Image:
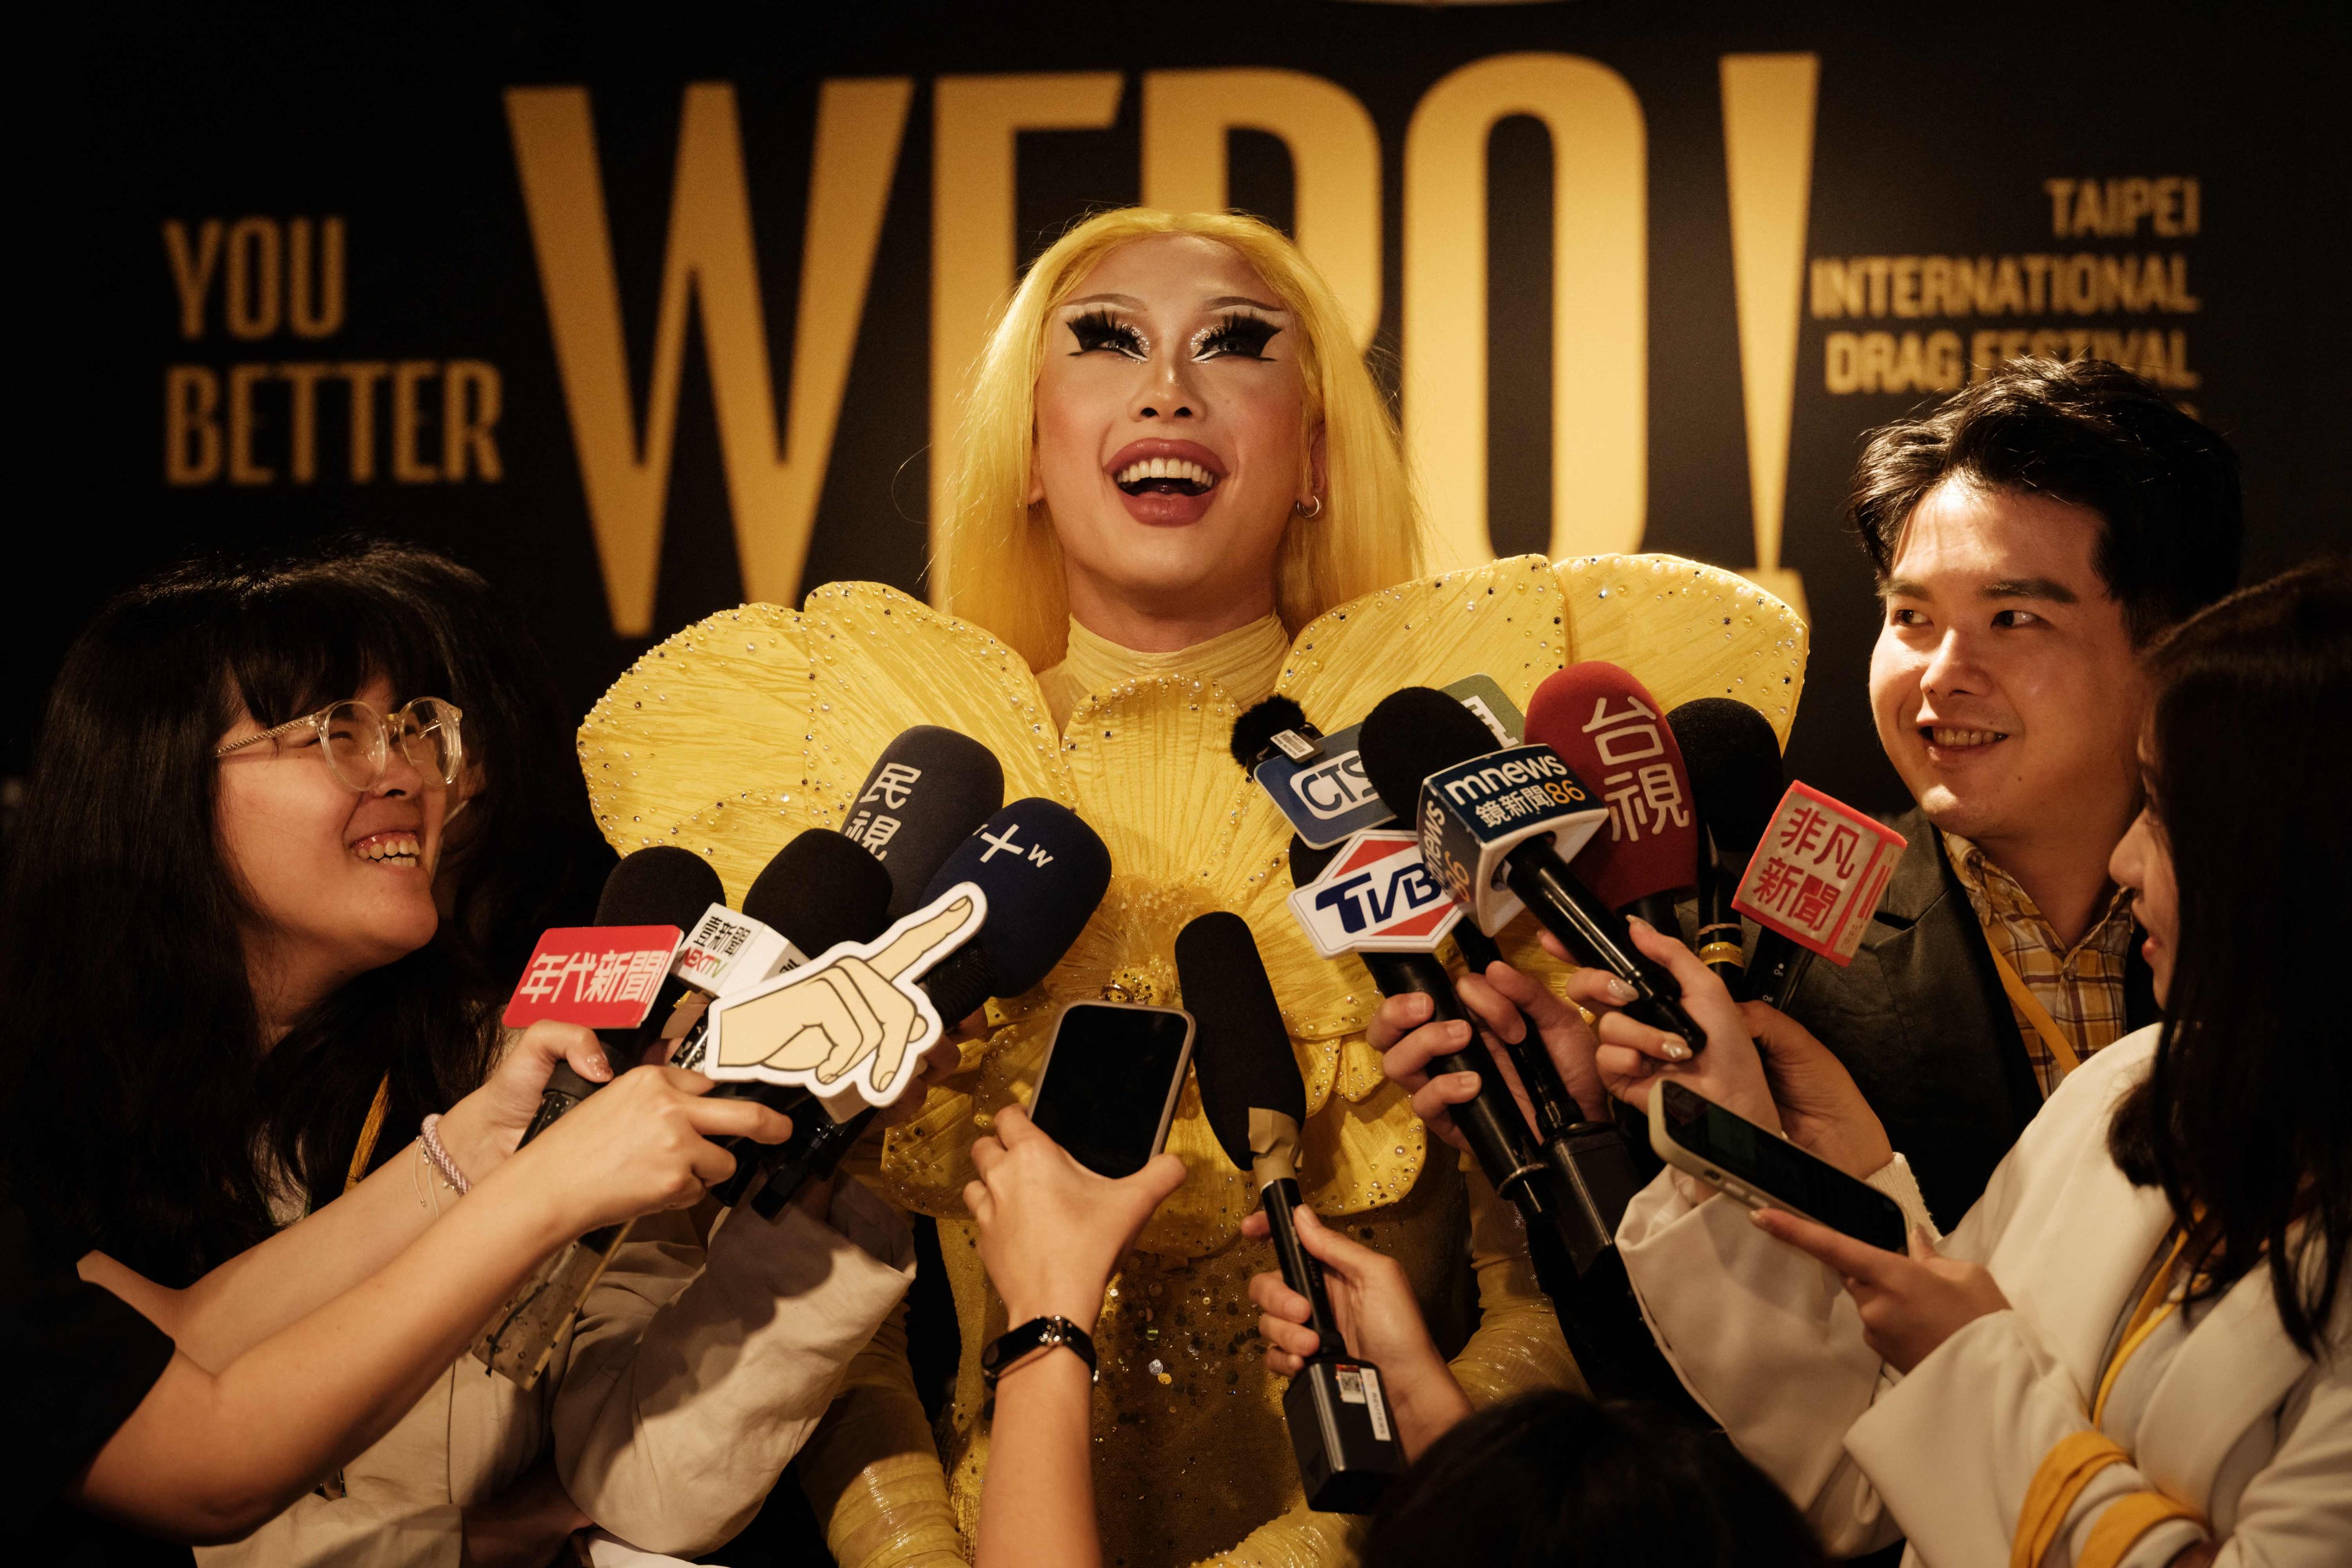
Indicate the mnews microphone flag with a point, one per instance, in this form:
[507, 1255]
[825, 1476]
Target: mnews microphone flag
[1255, 1103]
[1496, 827]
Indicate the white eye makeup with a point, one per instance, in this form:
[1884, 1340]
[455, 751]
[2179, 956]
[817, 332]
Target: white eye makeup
[1235, 334]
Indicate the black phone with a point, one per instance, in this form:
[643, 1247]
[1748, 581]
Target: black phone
[1108, 1089]
[1734, 1156]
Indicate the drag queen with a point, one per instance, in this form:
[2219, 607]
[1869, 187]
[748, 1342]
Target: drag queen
[1180, 492]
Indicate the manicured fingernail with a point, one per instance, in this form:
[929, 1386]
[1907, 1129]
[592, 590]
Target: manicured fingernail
[1638, 920]
[1417, 1003]
[1677, 1052]
[1619, 990]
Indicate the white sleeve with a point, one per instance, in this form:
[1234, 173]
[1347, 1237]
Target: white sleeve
[686, 1397]
[1767, 1340]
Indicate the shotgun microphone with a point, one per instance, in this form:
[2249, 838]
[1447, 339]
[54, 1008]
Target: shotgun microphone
[1338, 1412]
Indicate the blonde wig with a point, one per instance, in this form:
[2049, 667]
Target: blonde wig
[998, 558]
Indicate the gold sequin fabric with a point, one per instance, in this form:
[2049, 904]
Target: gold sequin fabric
[754, 724]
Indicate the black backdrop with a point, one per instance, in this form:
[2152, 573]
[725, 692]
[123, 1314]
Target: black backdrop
[1937, 128]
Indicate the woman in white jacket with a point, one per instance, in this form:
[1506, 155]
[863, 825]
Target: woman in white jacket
[2133, 1349]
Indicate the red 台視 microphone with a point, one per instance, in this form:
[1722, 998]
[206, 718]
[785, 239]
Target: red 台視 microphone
[1607, 726]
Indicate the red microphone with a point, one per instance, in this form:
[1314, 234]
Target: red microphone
[1608, 727]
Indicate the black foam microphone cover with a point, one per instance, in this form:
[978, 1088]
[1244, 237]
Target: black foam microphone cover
[1254, 731]
[1241, 1050]
[1735, 770]
[1414, 731]
[660, 885]
[1043, 871]
[929, 789]
[821, 889]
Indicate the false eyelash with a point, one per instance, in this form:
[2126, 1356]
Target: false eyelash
[1243, 334]
[1098, 329]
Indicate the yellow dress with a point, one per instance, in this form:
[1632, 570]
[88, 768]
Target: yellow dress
[758, 723]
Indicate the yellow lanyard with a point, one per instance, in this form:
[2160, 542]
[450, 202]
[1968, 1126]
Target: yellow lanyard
[2151, 1312]
[370, 1131]
[2061, 1050]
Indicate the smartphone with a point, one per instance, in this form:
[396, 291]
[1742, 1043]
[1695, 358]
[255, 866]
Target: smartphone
[1109, 1088]
[1734, 1156]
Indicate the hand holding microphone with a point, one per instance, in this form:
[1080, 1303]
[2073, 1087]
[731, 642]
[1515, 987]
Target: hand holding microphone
[641, 1144]
[1505, 1004]
[1373, 1306]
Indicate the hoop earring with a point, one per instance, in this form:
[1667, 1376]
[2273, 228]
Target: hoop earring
[1309, 515]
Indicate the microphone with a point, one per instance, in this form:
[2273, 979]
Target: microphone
[1276, 724]
[1043, 872]
[1490, 1123]
[1606, 728]
[926, 792]
[1734, 771]
[1482, 828]
[1255, 1103]
[818, 890]
[661, 885]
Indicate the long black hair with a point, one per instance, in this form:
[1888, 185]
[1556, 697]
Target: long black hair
[2245, 1118]
[1554, 1480]
[141, 1115]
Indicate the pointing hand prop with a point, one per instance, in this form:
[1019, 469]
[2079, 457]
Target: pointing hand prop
[858, 1007]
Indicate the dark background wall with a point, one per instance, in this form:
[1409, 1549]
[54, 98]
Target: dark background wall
[1937, 129]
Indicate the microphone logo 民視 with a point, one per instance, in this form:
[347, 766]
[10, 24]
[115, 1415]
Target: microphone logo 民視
[874, 823]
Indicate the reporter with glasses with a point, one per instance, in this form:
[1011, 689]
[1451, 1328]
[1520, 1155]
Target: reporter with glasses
[231, 1010]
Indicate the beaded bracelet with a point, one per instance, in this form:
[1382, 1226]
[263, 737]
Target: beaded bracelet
[429, 1135]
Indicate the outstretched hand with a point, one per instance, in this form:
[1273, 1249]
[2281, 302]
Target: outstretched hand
[1909, 1305]
[1728, 1071]
[1051, 1230]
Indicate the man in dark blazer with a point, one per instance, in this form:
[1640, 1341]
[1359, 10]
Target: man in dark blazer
[2031, 535]
[1919, 1018]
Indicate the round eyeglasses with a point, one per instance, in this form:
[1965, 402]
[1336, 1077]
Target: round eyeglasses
[356, 741]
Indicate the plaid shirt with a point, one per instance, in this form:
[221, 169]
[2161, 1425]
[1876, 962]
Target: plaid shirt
[2082, 987]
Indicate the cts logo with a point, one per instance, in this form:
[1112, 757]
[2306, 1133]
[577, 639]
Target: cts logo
[1329, 798]
[1333, 788]
[1375, 897]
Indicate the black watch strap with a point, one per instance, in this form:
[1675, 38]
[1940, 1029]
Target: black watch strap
[1009, 1348]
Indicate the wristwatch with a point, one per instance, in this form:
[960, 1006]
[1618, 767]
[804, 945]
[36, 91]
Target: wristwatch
[1038, 1333]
